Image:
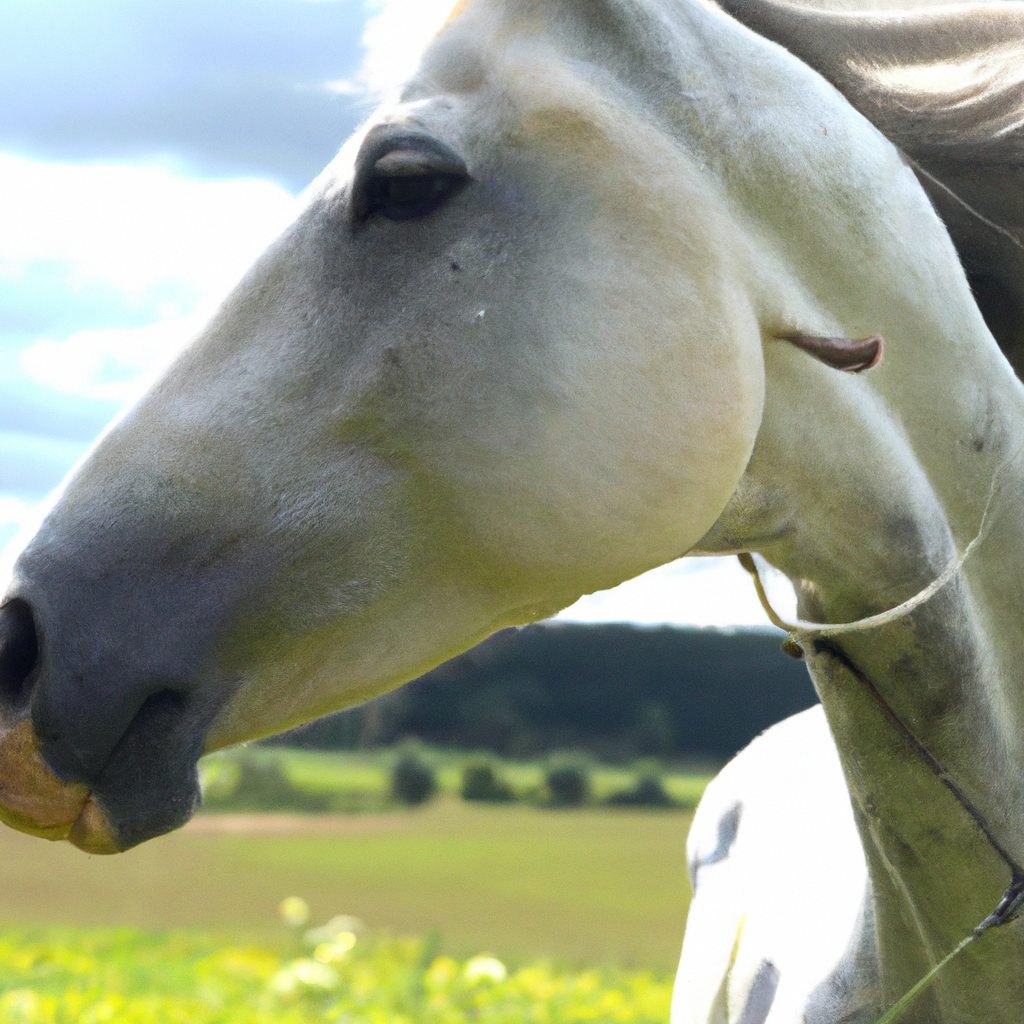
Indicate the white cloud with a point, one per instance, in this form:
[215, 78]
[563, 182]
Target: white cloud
[18, 521]
[136, 227]
[14, 511]
[140, 230]
[345, 87]
[689, 591]
[116, 364]
[394, 37]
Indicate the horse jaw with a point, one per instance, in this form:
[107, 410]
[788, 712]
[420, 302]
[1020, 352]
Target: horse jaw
[397, 437]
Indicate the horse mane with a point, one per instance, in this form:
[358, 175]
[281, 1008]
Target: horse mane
[946, 85]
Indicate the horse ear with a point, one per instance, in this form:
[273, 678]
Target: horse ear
[946, 85]
[839, 353]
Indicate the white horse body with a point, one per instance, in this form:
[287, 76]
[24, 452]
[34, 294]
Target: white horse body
[526, 341]
[780, 929]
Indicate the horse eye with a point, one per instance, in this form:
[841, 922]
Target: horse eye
[410, 178]
[407, 196]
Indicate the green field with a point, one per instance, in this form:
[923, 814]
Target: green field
[582, 887]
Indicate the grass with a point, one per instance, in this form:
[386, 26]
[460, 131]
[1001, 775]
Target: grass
[129, 977]
[549, 893]
[588, 886]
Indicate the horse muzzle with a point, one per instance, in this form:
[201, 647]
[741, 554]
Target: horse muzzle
[103, 757]
[34, 800]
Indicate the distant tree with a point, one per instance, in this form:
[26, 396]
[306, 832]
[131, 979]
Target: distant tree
[617, 691]
[263, 785]
[567, 786]
[648, 792]
[479, 782]
[412, 782]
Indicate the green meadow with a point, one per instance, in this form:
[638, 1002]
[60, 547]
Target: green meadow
[465, 910]
[591, 886]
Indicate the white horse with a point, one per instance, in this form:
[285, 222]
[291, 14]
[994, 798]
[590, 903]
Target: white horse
[577, 301]
[779, 928]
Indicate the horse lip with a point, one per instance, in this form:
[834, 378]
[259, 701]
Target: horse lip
[34, 800]
[91, 831]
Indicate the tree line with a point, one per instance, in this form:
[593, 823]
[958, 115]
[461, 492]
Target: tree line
[617, 691]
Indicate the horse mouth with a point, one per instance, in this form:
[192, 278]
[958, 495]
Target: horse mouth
[103, 757]
[34, 800]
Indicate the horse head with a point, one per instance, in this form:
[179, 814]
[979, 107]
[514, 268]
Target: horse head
[504, 357]
[558, 314]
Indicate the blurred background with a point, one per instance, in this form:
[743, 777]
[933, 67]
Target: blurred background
[149, 151]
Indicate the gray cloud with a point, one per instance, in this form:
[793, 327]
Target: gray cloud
[31, 466]
[227, 86]
[28, 408]
[224, 87]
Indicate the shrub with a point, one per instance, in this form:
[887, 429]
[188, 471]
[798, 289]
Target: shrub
[567, 786]
[648, 792]
[412, 782]
[479, 782]
[262, 784]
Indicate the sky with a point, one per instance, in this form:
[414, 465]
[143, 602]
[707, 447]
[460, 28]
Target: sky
[149, 151]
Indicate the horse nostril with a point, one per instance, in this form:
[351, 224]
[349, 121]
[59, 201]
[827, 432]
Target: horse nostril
[19, 651]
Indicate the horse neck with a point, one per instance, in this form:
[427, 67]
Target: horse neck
[863, 491]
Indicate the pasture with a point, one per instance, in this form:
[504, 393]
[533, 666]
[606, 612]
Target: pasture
[581, 887]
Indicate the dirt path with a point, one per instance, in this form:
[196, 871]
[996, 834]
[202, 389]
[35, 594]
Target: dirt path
[296, 824]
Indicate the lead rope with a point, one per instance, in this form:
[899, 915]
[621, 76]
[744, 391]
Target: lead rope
[1012, 901]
